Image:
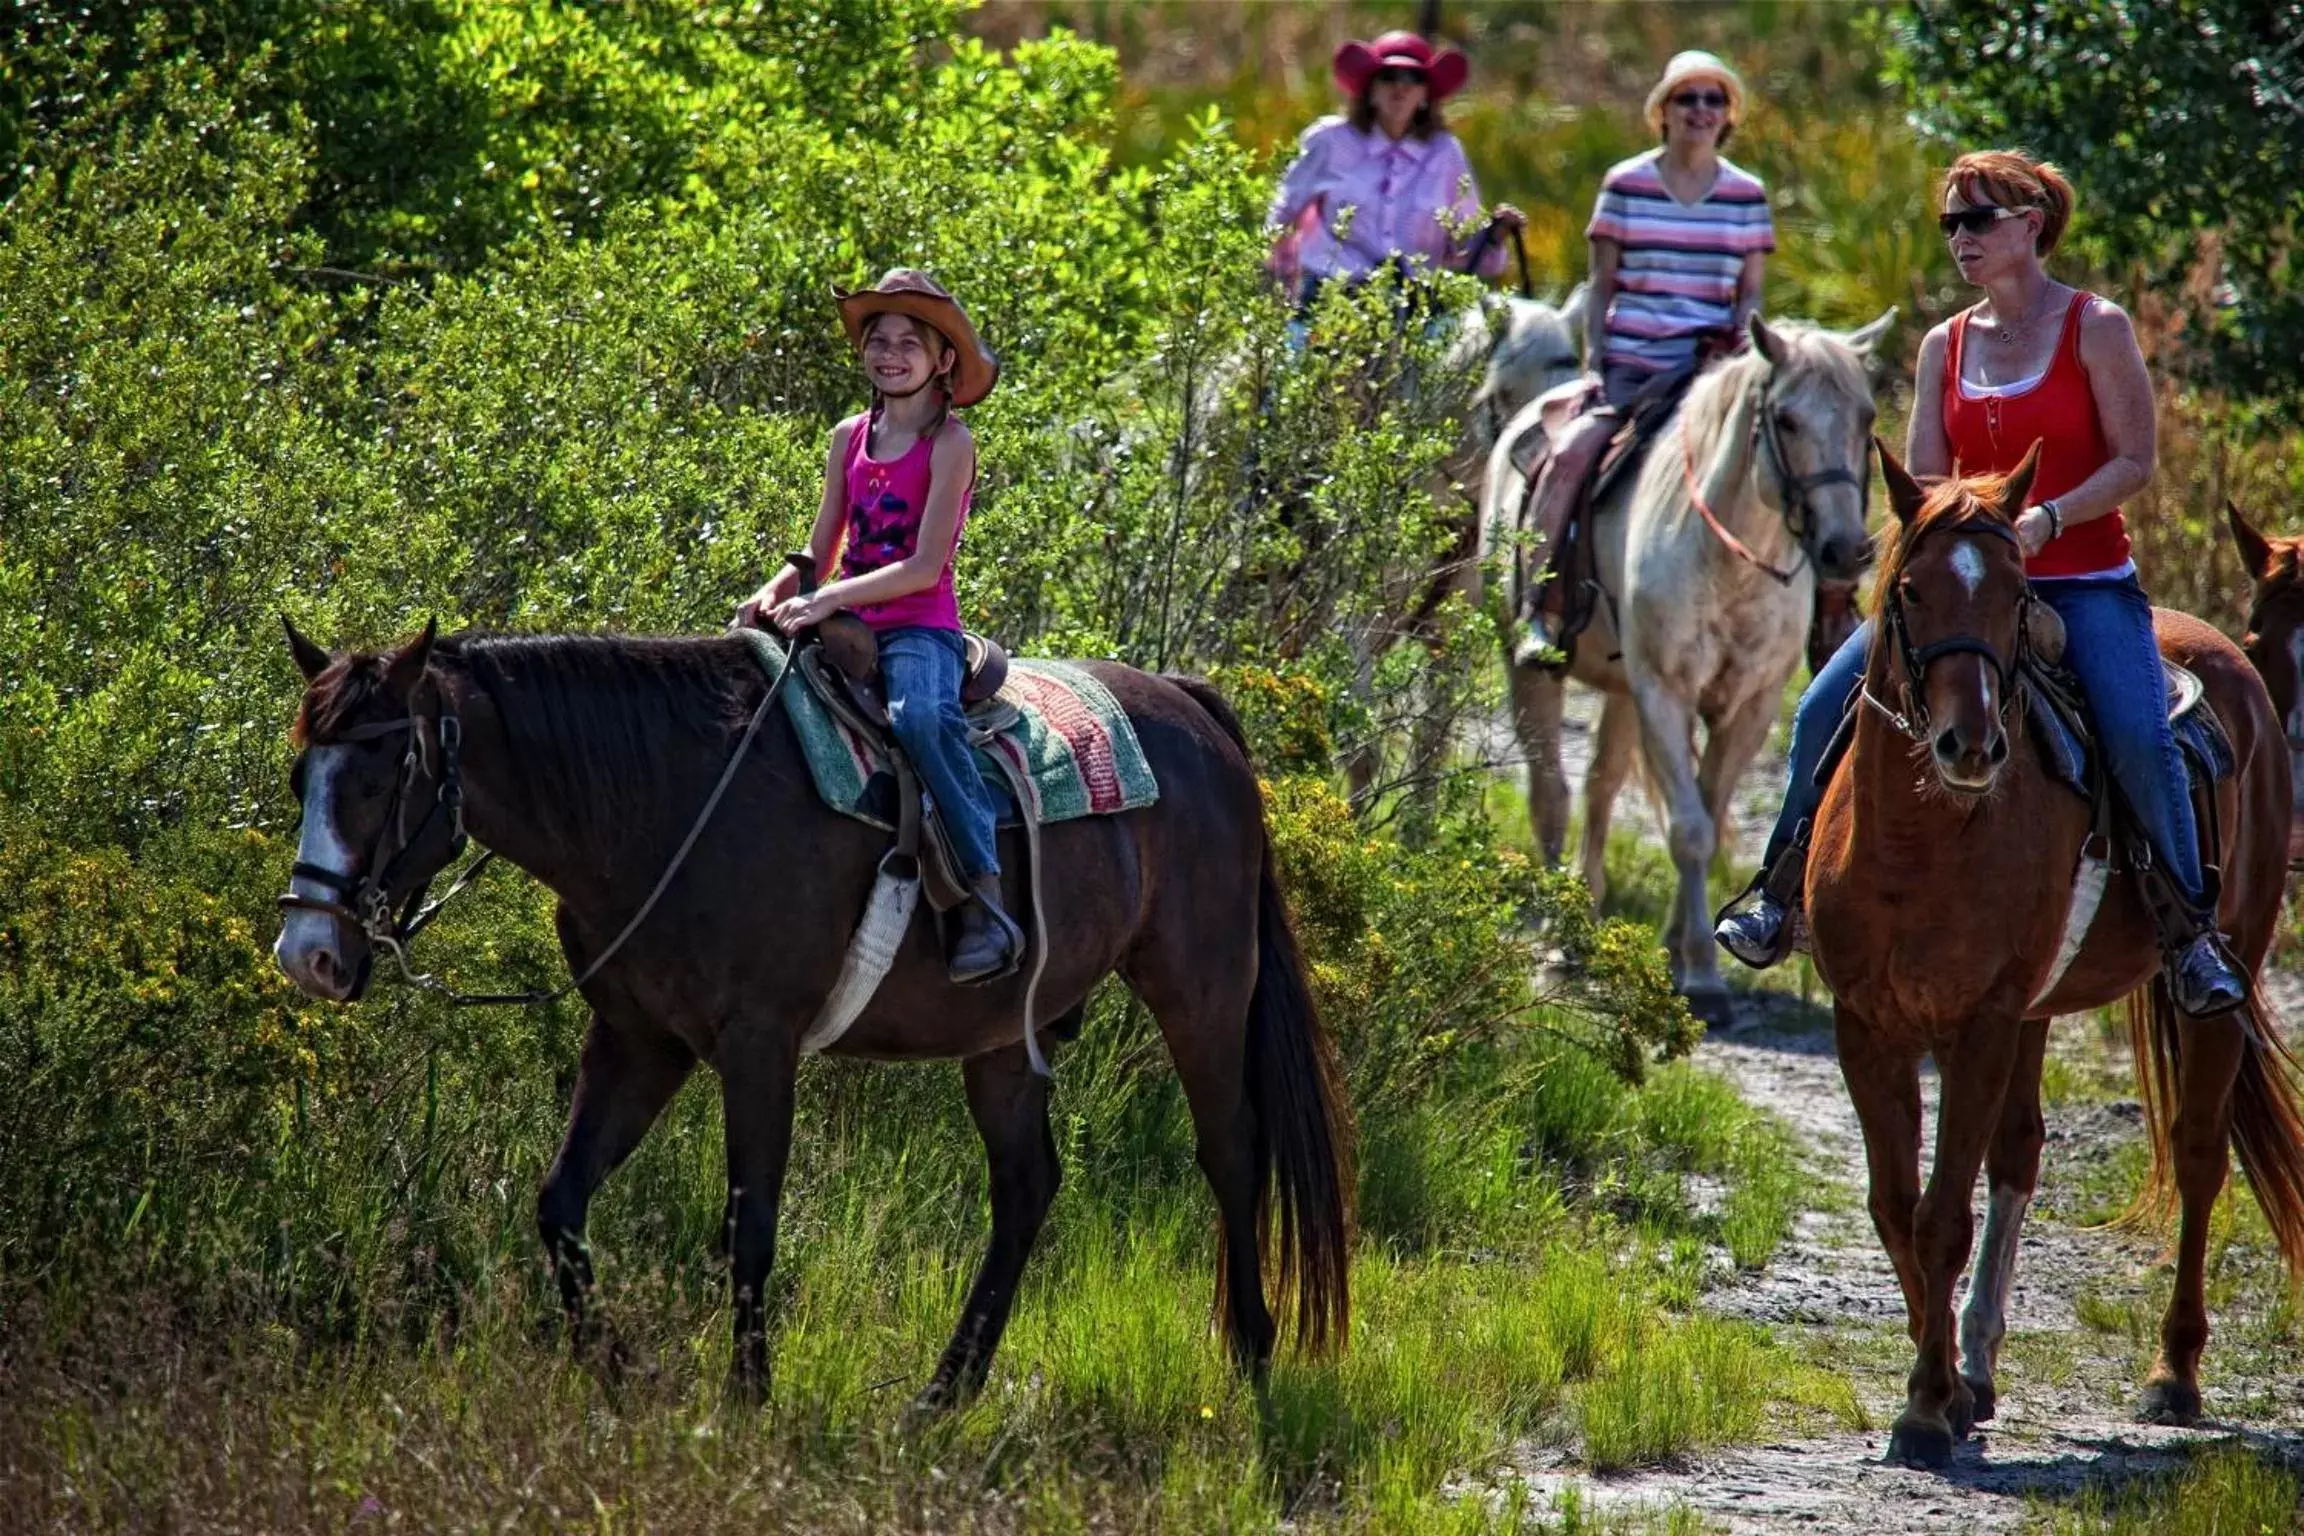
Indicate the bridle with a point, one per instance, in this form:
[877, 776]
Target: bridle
[1794, 493]
[365, 899]
[1914, 661]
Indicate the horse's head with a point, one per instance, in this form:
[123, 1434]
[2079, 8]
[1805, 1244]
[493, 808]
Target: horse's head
[1537, 348]
[1957, 617]
[382, 808]
[1815, 428]
[2275, 640]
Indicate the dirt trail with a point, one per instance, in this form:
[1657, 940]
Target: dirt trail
[2067, 1389]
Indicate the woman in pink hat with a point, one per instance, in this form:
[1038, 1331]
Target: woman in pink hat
[1385, 184]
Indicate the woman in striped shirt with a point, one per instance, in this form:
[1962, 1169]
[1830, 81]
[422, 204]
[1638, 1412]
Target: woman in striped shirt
[1679, 237]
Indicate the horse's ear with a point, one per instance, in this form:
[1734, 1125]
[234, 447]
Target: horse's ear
[311, 660]
[1770, 344]
[2016, 491]
[1572, 307]
[406, 667]
[1904, 493]
[1863, 341]
[2255, 549]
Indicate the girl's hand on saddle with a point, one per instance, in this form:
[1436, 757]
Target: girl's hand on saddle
[2033, 530]
[795, 614]
[764, 602]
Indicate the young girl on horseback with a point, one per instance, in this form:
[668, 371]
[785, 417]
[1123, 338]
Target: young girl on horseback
[2036, 361]
[897, 484]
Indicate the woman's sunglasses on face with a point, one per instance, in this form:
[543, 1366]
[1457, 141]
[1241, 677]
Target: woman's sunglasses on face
[1694, 99]
[1399, 74]
[1975, 220]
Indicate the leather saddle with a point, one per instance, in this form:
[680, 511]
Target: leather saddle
[848, 643]
[1582, 452]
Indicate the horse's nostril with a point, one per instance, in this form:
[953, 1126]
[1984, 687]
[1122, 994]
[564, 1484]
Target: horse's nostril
[1947, 745]
[1997, 752]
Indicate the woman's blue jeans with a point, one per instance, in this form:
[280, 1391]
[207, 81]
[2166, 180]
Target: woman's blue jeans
[921, 670]
[2110, 648]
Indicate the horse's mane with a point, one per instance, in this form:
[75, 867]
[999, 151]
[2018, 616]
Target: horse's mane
[590, 720]
[1704, 411]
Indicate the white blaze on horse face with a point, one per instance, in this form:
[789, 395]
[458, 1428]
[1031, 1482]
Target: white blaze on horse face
[303, 932]
[1968, 565]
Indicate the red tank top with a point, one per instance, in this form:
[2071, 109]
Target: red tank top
[1990, 436]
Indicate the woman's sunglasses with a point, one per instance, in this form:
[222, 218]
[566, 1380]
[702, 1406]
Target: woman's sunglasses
[1975, 220]
[1694, 99]
[1399, 74]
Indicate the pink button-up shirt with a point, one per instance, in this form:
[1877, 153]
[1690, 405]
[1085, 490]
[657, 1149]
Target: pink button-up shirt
[1396, 191]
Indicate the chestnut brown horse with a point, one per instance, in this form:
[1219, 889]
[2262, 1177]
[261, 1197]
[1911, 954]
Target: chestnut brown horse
[584, 760]
[1938, 887]
[2275, 642]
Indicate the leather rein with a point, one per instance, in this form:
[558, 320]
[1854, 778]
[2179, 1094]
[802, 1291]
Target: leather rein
[365, 900]
[1914, 661]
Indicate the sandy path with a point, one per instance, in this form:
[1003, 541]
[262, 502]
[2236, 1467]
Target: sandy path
[2067, 1390]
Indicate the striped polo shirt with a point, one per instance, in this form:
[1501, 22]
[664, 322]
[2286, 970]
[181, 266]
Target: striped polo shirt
[1676, 277]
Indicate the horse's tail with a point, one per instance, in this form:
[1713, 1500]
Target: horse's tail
[2267, 1123]
[1303, 1123]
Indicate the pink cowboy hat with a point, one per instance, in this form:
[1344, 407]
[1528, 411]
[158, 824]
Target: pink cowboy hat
[1356, 63]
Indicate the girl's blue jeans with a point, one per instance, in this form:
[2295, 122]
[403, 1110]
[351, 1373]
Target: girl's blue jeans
[2110, 648]
[921, 671]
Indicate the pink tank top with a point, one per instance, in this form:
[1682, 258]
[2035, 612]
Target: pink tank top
[885, 505]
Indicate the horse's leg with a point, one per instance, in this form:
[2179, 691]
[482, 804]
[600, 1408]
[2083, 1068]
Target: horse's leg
[1884, 1090]
[1537, 700]
[1729, 749]
[758, 1062]
[1200, 1001]
[2012, 1167]
[1973, 1076]
[1613, 746]
[1667, 724]
[624, 1079]
[1010, 1104]
[2199, 1143]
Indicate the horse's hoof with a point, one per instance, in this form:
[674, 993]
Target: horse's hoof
[1919, 1443]
[2169, 1401]
[1961, 1413]
[932, 1402]
[1987, 1401]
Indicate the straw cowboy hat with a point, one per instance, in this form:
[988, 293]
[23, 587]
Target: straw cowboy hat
[1696, 64]
[1356, 63]
[909, 291]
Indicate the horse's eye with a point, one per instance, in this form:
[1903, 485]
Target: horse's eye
[1785, 423]
[1908, 592]
[296, 778]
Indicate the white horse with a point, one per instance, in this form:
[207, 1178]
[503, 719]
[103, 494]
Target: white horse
[1756, 487]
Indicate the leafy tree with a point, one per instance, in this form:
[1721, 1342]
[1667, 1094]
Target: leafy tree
[2181, 123]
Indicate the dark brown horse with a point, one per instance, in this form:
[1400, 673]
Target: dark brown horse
[584, 760]
[2275, 642]
[1938, 887]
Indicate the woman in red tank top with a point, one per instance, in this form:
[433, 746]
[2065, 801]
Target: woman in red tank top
[2035, 362]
